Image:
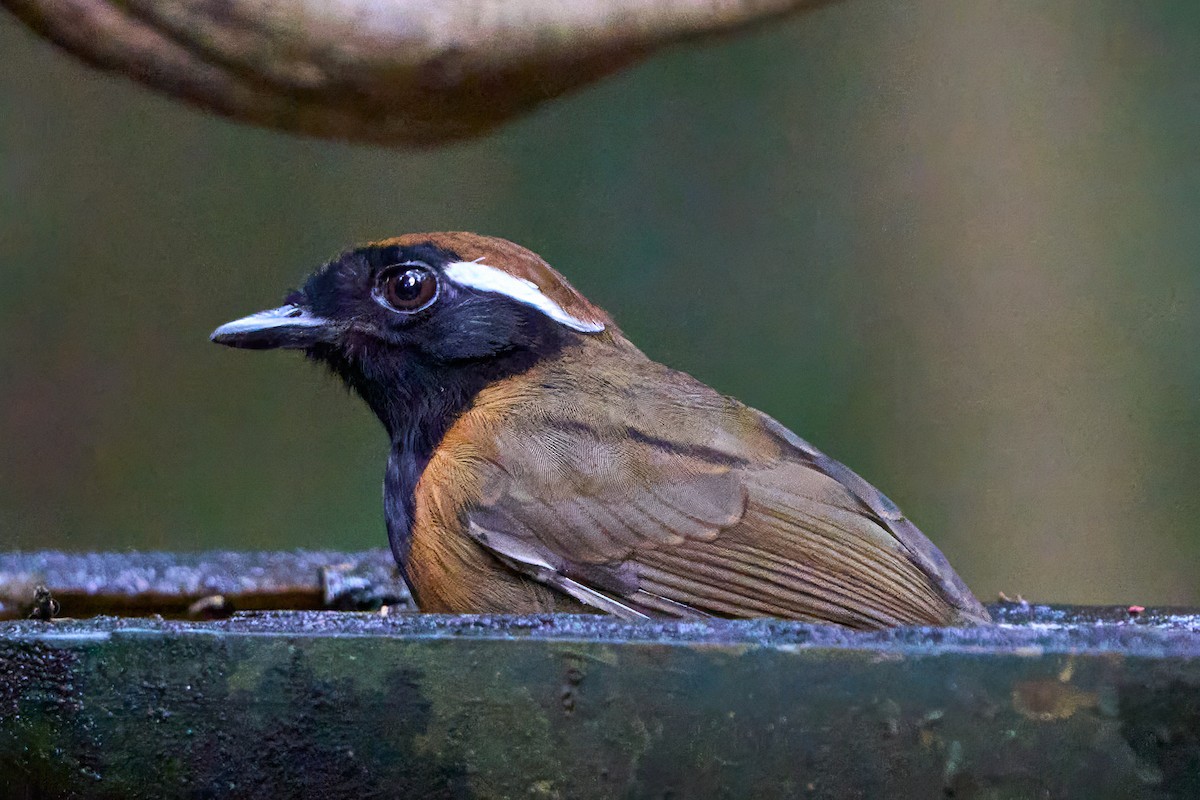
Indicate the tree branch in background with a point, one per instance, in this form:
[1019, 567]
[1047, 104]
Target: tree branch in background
[395, 72]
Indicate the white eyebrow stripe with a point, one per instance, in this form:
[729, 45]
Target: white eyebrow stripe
[489, 279]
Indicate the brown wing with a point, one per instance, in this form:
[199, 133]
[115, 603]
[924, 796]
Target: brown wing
[702, 506]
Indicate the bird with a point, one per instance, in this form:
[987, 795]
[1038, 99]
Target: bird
[541, 463]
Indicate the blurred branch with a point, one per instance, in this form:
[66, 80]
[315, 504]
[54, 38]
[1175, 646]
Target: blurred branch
[187, 584]
[398, 72]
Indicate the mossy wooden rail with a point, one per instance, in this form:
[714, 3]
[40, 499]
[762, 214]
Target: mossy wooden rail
[1049, 702]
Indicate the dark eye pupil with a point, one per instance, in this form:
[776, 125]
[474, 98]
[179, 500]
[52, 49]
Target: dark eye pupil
[410, 290]
[408, 285]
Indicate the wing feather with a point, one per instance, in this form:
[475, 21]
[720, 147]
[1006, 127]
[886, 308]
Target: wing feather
[717, 511]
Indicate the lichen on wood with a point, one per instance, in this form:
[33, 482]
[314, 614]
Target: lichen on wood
[1049, 702]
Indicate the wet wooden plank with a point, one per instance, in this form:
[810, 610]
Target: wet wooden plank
[130, 583]
[1050, 702]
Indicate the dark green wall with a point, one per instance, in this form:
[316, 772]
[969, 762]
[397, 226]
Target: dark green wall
[956, 245]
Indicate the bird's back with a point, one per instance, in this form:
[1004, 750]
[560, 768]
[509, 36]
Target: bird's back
[638, 490]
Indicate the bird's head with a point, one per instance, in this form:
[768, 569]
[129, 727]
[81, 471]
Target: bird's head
[421, 312]
[444, 296]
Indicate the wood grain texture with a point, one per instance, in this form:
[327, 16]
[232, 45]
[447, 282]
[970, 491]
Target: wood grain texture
[395, 72]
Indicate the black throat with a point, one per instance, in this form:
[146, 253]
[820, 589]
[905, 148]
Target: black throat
[417, 399]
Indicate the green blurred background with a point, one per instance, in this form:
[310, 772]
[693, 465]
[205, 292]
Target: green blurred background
[955, 245]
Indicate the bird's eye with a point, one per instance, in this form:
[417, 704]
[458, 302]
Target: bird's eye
[408, 289]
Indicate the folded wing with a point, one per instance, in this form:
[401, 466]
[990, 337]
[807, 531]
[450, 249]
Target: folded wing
[722, 512]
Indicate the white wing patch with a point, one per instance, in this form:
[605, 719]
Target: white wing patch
[480, 276]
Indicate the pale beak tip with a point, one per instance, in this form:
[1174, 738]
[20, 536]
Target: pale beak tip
[288, 326]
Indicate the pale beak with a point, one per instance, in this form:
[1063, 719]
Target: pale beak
[289, 326]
